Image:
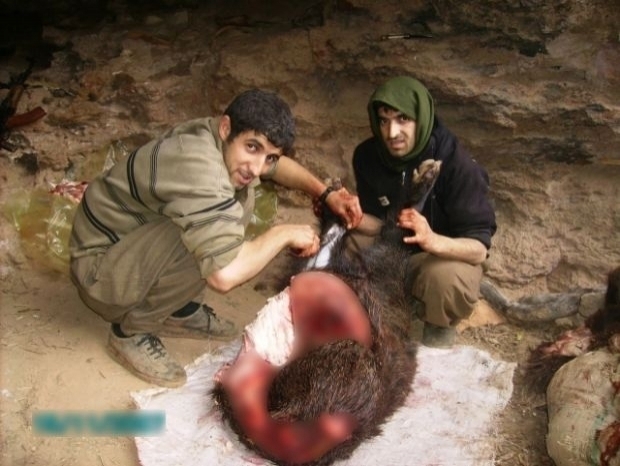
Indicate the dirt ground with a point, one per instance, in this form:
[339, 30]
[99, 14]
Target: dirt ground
[53, 357]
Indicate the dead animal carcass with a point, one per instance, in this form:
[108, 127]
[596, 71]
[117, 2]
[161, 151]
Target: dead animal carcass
[329, 359]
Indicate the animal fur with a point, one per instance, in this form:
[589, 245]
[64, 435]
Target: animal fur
[344, 376]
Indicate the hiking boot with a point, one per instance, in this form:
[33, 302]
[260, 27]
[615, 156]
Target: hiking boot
[203, 323]
[438, 337]
[145, 356]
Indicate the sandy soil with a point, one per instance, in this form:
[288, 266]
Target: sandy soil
[53, 357]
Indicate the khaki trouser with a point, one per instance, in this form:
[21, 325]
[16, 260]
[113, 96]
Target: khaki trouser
[141, 280]
[447, 289]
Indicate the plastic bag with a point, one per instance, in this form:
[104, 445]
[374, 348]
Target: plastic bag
[43, 220]
[44, 217]
[265, 210]
[100, 162]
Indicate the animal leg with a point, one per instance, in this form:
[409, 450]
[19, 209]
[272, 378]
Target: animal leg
[423, 180]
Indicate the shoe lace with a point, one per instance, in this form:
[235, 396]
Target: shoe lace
[208, 310]
[155, 346]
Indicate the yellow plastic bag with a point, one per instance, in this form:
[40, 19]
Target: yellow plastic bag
[44, 217]
[44, 221]
[265, 210]
[101, 161]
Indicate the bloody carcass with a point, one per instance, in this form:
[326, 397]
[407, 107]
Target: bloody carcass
[329, 359]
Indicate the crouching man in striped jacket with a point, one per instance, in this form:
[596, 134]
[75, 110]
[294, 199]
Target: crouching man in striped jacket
[153, 231]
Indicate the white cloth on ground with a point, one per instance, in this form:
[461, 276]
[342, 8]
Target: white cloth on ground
[271, 333]
[447, 420]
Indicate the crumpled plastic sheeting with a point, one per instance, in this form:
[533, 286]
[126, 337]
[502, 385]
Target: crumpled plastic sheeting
[448, 419]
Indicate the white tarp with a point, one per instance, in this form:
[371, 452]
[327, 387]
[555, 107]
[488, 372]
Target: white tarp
[447, 420]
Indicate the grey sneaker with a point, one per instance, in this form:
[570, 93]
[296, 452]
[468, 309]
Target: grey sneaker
[438, 337]
[146, 357]
[201, 324]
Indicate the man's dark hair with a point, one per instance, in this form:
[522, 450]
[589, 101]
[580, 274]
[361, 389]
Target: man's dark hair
[265, 113]
[377, 105]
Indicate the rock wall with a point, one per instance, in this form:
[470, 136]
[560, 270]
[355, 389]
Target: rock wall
[531, 88]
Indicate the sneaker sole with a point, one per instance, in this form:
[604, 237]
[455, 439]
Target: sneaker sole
[119, 358]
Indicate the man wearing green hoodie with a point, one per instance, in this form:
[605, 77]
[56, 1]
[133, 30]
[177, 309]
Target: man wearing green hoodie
[451, 235]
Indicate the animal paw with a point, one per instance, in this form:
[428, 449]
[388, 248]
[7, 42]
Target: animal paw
[423, 180]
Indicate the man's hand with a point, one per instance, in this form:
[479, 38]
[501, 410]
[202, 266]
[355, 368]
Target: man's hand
[256, 254]
[292, 175]
[303, 240]
[423, 235]
[468, 250]
[346, 206]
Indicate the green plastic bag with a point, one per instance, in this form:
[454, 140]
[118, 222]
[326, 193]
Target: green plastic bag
[44, 217]
[265, 210]
[44, 221]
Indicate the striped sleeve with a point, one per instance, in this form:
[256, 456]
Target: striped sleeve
[181, 176]
[199, 198]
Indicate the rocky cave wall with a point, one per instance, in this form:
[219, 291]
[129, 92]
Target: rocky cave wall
[532, 89]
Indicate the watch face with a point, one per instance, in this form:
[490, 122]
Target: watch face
[384, 201]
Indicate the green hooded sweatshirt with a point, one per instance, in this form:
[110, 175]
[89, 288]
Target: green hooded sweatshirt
[407, 95]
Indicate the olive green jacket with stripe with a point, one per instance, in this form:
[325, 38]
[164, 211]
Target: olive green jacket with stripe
[181, 176]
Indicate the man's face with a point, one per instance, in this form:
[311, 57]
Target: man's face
[248, 155]
[397, 131]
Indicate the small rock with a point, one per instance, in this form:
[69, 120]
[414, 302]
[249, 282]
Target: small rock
[153, 20]
[591, 302]
[179, 19]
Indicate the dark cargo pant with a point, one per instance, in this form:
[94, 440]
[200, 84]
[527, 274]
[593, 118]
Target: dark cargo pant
[447, 289]
[141, 280]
